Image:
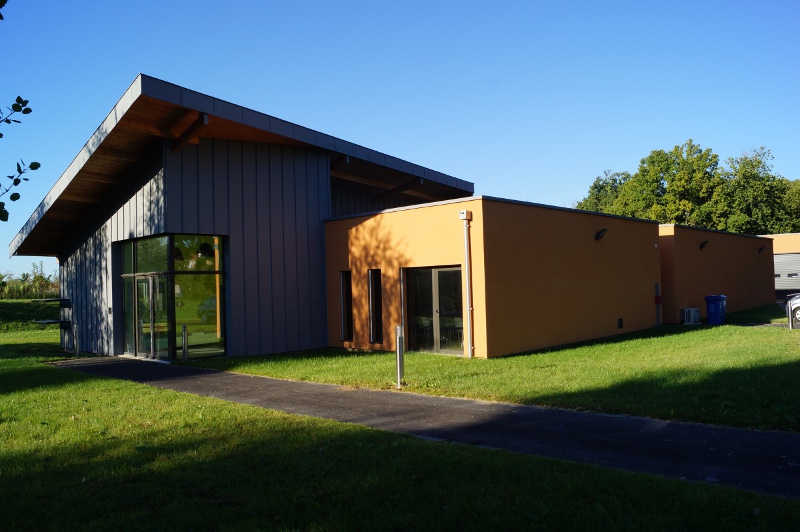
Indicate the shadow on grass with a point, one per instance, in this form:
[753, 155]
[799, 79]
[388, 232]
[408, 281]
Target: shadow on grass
[239, 468]
[755, 397]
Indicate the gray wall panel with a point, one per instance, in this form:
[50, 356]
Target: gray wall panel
[220, 185]
[237, 330]
[89, 277]
[318, 203]
[302, 268]
[263, 250]
[205, 190]
[267, 200]
[250, 277]
[290, 244]
[173, 193]
[190, 190]
[276, 220]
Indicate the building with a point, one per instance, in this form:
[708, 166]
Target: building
[187, 223]
[185, 209]
[696, 263]
[534, 276]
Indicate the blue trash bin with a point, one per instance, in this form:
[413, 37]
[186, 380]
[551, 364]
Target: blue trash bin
[715, 309]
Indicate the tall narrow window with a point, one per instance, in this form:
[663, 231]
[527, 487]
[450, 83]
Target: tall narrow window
[375, 308]
[346, 305]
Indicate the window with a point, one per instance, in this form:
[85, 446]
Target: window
[375, 307]
[346, 305]
[171, 282]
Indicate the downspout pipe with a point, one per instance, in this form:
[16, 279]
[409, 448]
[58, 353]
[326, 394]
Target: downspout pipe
[467, 216]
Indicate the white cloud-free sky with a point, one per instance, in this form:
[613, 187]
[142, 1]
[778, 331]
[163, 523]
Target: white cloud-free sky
[530, 100]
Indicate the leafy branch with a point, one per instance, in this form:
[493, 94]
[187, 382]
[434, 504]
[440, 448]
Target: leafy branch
[19, 106]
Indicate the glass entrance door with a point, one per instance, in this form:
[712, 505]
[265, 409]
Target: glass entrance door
[435, 310]
[152, 323]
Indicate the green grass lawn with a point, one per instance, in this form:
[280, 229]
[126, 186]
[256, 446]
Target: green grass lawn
[84, 453]
[734, 375]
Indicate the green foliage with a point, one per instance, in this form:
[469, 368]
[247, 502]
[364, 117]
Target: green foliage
[33, 285]
[753, 200]
[687, 186]
[603, 192]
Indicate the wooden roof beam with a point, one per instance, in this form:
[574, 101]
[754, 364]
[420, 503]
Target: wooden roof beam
[191, 132]
[97, 178]
[118, 155]
[398, 189]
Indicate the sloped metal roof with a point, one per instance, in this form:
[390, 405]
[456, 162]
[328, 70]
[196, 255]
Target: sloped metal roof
[151, 109]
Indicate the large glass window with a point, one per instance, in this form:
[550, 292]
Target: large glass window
[171, 282]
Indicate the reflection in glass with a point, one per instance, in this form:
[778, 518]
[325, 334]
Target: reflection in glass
[129, 315]
[151, 254]
[435, 310]
[196, 253]
[420, 309]
[199, 307]
[450, 311]
[187, 267]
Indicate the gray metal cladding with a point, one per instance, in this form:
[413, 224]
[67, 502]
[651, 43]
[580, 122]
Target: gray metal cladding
[86, 276]
[85, 279]
[269, 202]
[787, 271]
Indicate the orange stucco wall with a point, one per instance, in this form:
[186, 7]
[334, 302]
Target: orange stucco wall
[785, 243]
[539, 276]
[737, 266]
[424, 236]
[550, 282]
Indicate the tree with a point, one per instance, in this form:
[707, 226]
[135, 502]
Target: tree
[19, 106]
[754, 200]
[691, 185]
[791, 205]
[642, 195]
[603, 192]
[672, 187]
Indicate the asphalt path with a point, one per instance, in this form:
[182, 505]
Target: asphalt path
[761, 461]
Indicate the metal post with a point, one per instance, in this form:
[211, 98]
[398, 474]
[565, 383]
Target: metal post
[75, 339]
[467, 216]
[185, 344]
[399, 341]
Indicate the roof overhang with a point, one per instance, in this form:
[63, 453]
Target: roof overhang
[152, 109]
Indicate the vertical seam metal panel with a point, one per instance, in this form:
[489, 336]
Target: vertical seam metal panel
[276, 247]
[266, 334]
[249, 252]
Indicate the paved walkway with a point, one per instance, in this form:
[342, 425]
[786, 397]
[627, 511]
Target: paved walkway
[763, 461]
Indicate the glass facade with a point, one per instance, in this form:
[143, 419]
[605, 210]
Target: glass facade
[170, 283]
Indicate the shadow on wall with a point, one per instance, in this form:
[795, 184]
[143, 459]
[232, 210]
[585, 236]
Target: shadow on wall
[372, 246]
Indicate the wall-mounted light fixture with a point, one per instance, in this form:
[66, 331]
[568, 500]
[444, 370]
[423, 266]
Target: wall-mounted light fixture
[761, 249]
[703, 244]
[600, 234]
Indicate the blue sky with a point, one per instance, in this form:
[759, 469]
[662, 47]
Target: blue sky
[529, 100]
